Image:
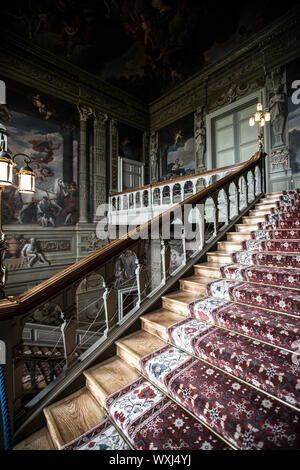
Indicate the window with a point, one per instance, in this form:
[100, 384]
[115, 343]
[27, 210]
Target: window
[233, 140]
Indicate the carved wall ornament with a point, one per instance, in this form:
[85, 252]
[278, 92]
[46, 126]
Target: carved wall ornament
[154, 156]
[84, 112]
[280, 158]
[33, 253]
[200, 137]
[277, 105]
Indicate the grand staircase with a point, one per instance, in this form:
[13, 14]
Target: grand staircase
[216, 367]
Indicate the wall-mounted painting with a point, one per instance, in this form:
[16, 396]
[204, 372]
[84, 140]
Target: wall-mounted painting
[293, 90]
[177, 148]
[130, 142]
[51, 145]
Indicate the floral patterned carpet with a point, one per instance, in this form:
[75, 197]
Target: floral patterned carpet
[229, 376]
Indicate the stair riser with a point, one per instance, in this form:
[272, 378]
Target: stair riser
[193, 286]
[222, 259]
[177, 307]
[128, 357]
[259, 212]
[252, 220]
[228, 247]
[53, 431]
[150, 328]
[96, 392]
[246, 228]
[203, 271]
[238, 237]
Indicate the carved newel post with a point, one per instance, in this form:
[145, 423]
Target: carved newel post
[200, 138]
[84, 114]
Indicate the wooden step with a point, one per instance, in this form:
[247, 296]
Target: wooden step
[108, 377]
[251, 220]
[229, 247]
[158, 321]
[40, 440]
[211, 270]
[195, 283]
[179, 301]
[219, 257]
[259, 212]
[238, 236]
[72, 416]
[265, 205]
[137, 345]
[246, 228]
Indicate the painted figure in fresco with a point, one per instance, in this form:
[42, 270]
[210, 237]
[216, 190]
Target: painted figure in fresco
[41, 106]
[42, 173]
[45, 150]
[32, 253]
[70, 195]
[178, 138]
[47, 211]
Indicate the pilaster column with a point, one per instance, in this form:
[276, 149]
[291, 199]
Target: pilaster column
[99, 162]
[84, 195]
[113, 154]
[67, 131]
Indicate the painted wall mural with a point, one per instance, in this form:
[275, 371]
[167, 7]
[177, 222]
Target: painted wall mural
[293, 91]
[54, 202]
[176, 148]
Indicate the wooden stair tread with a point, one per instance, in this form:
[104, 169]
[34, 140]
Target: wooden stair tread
[163, 317]
[72, 416]
[108, 377]
[40, 440]
[137, 345]
[182, 296]
[198, 279]
[209, 265]
[158, 322]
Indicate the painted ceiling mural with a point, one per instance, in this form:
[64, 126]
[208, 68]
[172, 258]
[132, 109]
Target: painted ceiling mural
[142, 46]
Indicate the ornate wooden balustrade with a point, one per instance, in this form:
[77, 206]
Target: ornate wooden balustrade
[101, 295]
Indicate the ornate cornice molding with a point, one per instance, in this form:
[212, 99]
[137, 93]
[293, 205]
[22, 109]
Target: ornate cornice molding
[245, 69]
[24, 62]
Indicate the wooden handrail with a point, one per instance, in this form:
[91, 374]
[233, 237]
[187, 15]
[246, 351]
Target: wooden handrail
[74, 273]
[176, 180]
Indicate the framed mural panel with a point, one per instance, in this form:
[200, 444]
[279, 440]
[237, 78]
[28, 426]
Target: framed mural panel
[38, 128]
[176, 147]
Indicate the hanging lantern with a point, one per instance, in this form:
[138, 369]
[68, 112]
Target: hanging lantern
[26, 179]
[251, 121]
[6, 162]
[259, 107]
[267, 116]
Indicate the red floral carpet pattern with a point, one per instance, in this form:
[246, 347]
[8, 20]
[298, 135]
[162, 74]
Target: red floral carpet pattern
[267, 259]
[102, 437]
[263, 274]
[275, 329]
[263, 366]
[276, 234]
[151, 421]
[291, 246]
[271, 298]
[247, 418]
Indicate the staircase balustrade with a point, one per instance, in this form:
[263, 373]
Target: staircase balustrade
[88, 296]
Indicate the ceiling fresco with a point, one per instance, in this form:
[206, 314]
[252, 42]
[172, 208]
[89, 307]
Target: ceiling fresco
[144, 47]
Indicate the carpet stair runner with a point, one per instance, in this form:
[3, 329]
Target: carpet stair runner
[217, 367]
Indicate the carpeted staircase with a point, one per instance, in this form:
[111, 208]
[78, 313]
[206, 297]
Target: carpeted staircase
[217, 367]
